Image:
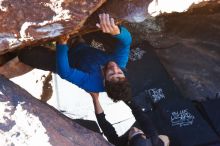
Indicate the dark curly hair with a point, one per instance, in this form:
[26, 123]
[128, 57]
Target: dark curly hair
[120, 90]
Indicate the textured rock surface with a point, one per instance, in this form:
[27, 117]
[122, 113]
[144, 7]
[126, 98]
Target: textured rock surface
[28, 121]
[194, 56]
[129, 10]
[25, 22]
[14, 68]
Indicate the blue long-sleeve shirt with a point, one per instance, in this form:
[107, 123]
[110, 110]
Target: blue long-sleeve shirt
[87, 62]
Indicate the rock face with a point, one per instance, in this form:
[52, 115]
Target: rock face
[193, 59]
[14, 68]
[129, 10]
[27, 121]
[46, 23]
[25, 22]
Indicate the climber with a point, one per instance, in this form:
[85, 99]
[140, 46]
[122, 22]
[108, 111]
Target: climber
[136, 137]
[94, 70]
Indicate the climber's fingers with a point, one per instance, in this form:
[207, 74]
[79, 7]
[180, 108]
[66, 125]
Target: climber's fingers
[107, 24]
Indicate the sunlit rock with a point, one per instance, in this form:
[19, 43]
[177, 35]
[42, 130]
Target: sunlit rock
[27, 121]
[163, 6]
[27, 22]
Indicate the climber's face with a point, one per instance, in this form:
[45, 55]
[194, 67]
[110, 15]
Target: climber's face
[113, 72]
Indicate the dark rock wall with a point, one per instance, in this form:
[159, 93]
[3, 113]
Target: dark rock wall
[188, 44]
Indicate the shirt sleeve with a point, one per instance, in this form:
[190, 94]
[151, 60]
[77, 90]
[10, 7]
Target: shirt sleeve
[64, 70]
[122, 47]
[108, 129]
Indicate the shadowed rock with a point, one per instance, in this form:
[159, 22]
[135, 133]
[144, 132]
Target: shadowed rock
[188, 44]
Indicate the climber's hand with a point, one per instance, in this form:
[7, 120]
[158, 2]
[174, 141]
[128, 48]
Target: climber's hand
[63, 39]
[107, 24]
